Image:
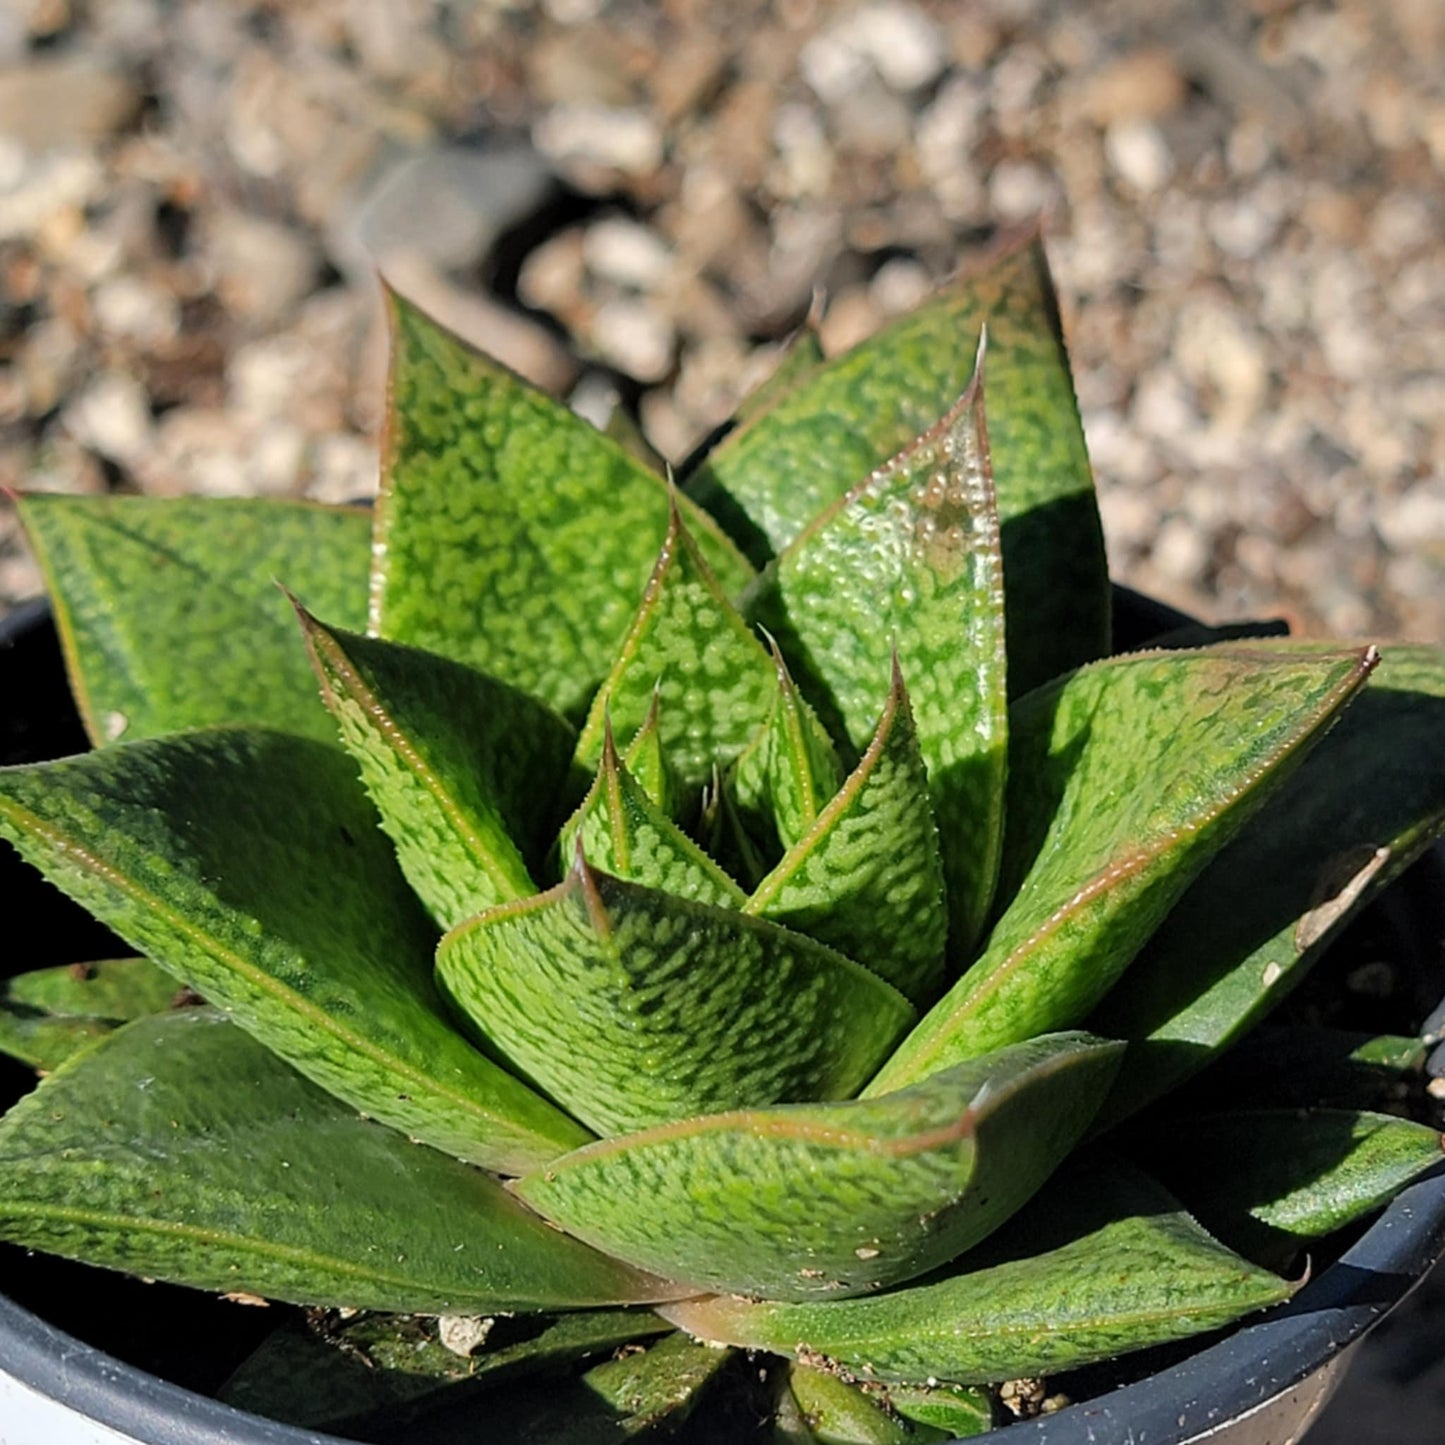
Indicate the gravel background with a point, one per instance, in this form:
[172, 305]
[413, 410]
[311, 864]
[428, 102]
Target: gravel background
[1244, 204]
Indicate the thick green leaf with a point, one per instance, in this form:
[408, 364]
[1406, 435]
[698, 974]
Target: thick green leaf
[867, 878]
[249, 863]
[633, 1007]
[833, 1199]
[182, 1149]
[168, 613]
[620, 830]
[789, 769]
[836, 1412]
[387, 1370]
[801, 454]
[1125, 778]
[906, 569]
[690, 650]
[1103, 1263]
[458, 764]
[961, 1411]
[1259, 1174]
[511, 534]
[47, 1015]
[1365, 804]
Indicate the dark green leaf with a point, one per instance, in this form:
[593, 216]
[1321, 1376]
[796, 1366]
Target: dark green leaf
[906, 569]
[47, 1015]
[826, 1200]
[1258, 1174]
[458, 765]
[249, 863]
[633, 1006]
[839, 1413]
[1102, 1264]
[867, 878]
[690, 649]
[181, 1149]
[620, 830]
[168, 613]
[1361, 808]
[511, 534]
[1124, 779]
[839, 422]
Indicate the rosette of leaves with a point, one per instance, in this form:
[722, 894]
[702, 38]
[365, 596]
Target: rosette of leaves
[736, 911]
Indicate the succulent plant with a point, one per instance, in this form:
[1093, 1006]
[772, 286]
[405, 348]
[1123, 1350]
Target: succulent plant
[756, 914]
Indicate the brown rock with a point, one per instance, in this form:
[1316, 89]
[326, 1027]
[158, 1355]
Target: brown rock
[1143, 85]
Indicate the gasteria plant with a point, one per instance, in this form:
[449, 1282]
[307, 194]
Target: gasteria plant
[759, 901]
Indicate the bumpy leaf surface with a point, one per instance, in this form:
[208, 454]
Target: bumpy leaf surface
[620, 830]
[249, 863]
[835, 425]
[214, 1164]
[691, 650]
[510, 534]
[632, 1006]
[867, 878]
[906, 567]
[168, 612]
[1253, 1174]
[827, 1200]
[1098, 1266]
[1124, 779]
[1363, 805]
[47, 1015]
[462, 768]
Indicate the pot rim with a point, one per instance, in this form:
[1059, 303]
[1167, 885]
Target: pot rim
[1187, 1402]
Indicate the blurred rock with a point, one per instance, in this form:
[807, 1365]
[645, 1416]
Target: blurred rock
[55, 101]
[262, 267]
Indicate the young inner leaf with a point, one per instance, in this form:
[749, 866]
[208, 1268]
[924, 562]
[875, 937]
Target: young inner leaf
[632, 1006]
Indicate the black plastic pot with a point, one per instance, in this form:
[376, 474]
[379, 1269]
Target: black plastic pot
[1262, 1385]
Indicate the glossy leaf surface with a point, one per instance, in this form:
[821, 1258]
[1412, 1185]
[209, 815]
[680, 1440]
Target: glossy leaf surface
[826, 1200]
[462, 768]
[1102, 1264]
[210, 852]
[1255, 1174]
[1360, 809]
[867, 877]
[214, 1164]
[152, 593]
[690, 649]
[511, 534]
[632, 1007]
[804, 452]
[620, 830]
[1125, 778]
[51, 1013]
[906, 568]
